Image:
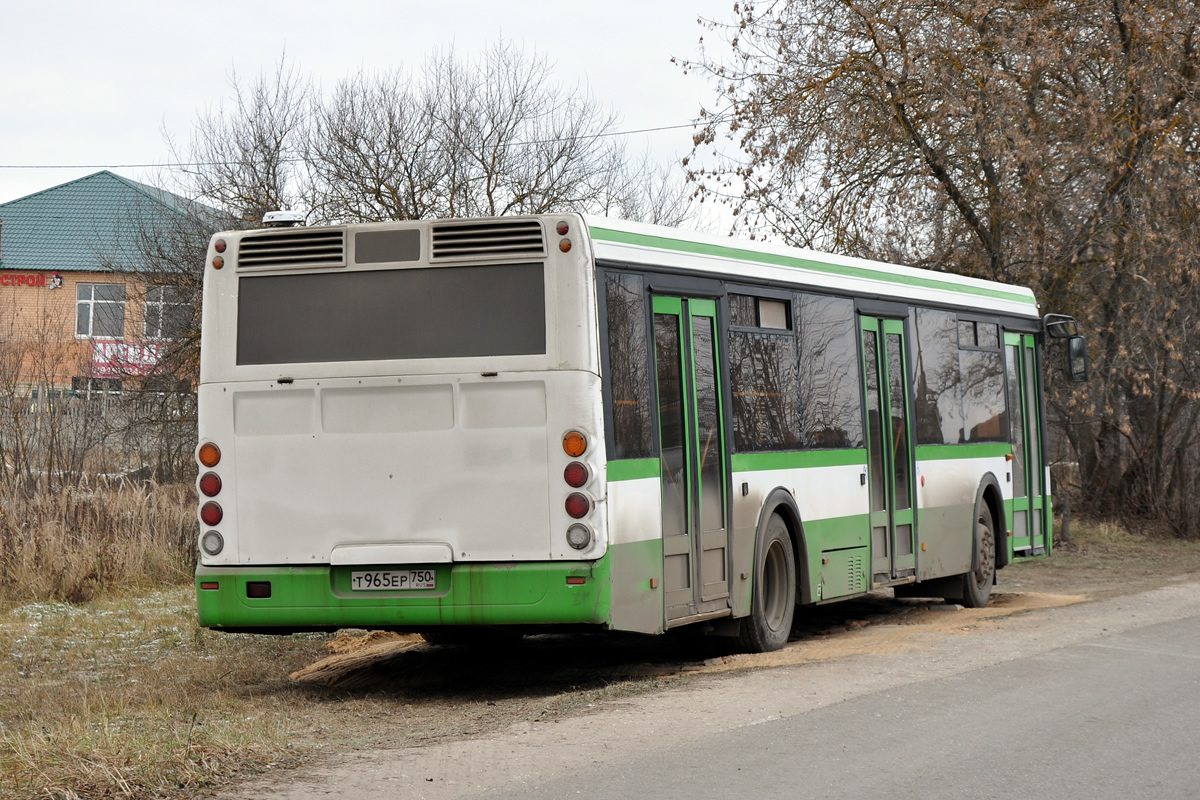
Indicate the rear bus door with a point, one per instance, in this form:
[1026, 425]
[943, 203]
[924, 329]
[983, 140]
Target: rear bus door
[694, 480]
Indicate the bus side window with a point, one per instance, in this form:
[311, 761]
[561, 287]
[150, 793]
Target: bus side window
[629, 368]
[830, 399]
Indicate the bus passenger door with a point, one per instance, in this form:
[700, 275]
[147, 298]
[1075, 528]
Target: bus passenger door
[889, 450]
[1028, 475]
[691, 430]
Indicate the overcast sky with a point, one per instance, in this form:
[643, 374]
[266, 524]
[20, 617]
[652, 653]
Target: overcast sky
[93, 85]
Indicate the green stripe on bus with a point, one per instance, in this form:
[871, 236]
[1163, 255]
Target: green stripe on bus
[777, 259]
[946, 452]
[632, 469]
[798, 459]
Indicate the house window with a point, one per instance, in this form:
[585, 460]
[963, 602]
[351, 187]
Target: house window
[167, 309]
[100, 310]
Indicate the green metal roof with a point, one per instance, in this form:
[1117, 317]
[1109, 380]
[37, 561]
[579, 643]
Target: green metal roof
[86, 225]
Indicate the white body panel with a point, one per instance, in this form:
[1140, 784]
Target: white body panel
[820, 492]
[639, 506]
[954, 481]
[434, 469]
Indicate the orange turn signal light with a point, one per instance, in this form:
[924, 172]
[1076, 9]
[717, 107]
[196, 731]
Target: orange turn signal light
[574, 444]
[209, 454]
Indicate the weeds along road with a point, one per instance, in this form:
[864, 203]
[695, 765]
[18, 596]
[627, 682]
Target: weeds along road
[1037, 695]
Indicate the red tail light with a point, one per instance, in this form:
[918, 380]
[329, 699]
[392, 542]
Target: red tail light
[578, 505]
[211, 513]
[576, 474]
[210, 484]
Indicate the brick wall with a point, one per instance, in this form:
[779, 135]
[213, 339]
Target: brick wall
[38, 342]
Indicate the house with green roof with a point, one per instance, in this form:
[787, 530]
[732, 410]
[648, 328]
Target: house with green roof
[82, 300]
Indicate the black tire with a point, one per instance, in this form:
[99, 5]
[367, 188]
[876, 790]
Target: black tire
[770, 621]
[977, 584]
[473, 637]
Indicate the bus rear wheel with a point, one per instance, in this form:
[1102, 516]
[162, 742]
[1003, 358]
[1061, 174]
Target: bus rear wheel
[977, 584]
[774, 600]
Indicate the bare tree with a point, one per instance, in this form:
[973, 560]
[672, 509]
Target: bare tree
[1050, 144]
[490, 136]
[245, 161]
[373, 153]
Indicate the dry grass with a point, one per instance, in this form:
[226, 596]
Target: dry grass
[80, 542]
[129, 698]
[1104, 559]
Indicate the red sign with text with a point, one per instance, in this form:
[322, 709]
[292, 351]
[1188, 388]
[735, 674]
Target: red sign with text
[119, 359]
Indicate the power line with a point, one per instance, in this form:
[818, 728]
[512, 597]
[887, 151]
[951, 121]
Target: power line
[214, 163]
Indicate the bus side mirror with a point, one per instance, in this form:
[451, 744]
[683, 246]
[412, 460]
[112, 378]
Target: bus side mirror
[1077, 359]
[1060, 326]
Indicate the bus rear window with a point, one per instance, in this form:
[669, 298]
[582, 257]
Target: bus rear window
[443, 312]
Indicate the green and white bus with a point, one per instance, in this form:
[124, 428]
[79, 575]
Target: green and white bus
[510, 425]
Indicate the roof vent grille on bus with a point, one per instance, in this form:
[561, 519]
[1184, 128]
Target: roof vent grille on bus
[291, 248]
[502, 237]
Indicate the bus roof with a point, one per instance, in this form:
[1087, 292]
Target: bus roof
[653, 245]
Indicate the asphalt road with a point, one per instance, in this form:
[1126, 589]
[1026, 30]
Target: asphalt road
[1099, 701]
[1114, 718]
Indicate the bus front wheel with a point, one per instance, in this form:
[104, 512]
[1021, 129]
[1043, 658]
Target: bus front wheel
[774, 600]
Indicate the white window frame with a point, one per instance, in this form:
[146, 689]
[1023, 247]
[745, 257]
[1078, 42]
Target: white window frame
[159, 306]
[90, 302]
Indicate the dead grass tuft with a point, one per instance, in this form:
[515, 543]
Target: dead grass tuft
[127, 697]
[77, 543]
[1105, 558]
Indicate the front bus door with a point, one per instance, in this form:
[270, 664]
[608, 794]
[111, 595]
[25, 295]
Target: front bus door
[1028, 477]
[889, 447]
[694, 491]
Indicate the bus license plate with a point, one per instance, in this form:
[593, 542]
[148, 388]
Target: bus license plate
[393, 580]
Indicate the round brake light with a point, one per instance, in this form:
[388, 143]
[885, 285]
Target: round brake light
[576, 474]
[211, 513]
[210, 484]
[209, 455]
[578, 505]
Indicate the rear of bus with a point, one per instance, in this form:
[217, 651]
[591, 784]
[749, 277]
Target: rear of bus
[400, 427]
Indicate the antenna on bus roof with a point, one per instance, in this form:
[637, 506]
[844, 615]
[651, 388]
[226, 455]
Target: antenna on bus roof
[282, 219]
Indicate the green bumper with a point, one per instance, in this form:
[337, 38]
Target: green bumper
[320, 597]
